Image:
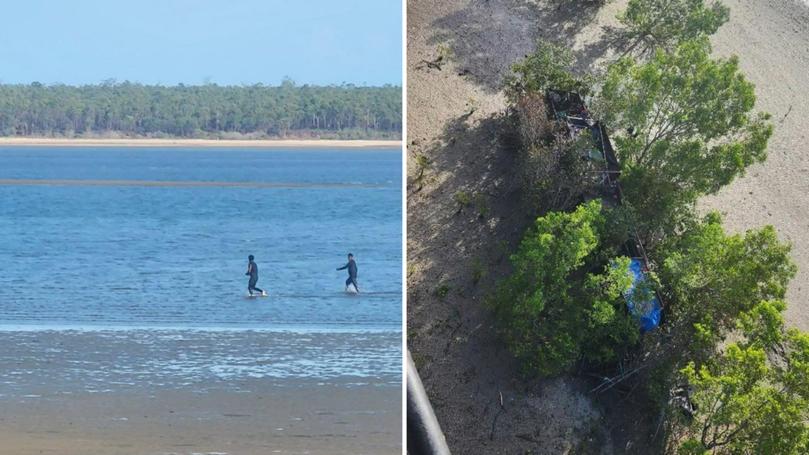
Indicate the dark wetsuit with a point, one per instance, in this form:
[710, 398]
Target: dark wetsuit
[352, 273]
[252, 270]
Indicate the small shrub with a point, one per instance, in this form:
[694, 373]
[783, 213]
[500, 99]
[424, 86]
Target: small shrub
[442, 291]
[444, 52]
[423, 163]
[478, 272]
[548, 67]
[482, 205]
[462, 198]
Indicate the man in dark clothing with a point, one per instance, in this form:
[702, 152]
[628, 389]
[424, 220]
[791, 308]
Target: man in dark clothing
[252, 270]
[352, 272]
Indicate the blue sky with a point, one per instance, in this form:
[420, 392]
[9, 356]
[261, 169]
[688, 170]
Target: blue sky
[194, 42]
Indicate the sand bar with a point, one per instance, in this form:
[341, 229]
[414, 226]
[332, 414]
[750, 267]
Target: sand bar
[179, 183]
[252, 143]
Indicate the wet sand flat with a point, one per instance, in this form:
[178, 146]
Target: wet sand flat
[295, 417]
[182, 392]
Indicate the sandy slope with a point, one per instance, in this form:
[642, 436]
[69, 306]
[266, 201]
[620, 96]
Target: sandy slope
[772, 41]
[454, 119]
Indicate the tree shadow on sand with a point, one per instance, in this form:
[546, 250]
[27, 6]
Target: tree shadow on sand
[482, 401]
[488, 36]
[610, 39]
[458, 250]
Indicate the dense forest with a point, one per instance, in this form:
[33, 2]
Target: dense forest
[203, 111]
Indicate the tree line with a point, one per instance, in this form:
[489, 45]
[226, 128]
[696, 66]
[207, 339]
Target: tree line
[723, 372]
[201, 111]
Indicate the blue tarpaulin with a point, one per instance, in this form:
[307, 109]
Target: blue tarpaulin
[647, 312]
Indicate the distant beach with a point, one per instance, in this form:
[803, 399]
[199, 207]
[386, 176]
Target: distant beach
[149, 142]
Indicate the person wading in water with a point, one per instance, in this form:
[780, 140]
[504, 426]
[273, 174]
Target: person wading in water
[352, 272]
[252, 270]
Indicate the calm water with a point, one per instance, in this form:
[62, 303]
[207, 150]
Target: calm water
[116, 249]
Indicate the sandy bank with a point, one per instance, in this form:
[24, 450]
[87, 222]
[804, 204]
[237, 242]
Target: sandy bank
[257, 143]
[457, 253]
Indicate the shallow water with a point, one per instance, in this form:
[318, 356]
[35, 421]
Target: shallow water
[50, 362]
[157, 239]
[154, 256]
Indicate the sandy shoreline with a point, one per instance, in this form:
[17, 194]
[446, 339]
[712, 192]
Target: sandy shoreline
[182, 392]
[257, 143]
[296, 418]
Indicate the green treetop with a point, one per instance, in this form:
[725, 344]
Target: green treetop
[754, 397]
[683, 125]
[664, 24]
[553, 310]
[712, 278]
[548, 67]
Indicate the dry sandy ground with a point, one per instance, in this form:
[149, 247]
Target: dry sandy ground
[456, 253]
[258, 143]
[772, 41]
[296, 418]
